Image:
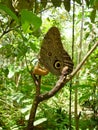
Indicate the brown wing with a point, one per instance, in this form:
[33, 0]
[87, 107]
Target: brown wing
[52, 54]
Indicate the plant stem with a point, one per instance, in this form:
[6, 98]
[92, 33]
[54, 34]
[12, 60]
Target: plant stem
[34, 104]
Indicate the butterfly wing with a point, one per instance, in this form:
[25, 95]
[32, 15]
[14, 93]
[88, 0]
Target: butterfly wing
[52, 54]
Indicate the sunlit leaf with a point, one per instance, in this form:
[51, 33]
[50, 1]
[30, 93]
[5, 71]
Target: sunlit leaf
[37, 122]
[11, 72]
[28, 18]
[27, 108]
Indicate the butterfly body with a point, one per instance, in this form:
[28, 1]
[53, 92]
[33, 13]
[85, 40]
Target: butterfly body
[52, 54]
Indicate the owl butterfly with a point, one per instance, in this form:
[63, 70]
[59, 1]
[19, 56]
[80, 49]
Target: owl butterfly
[52, 54]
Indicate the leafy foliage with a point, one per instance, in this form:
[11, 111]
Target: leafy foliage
[21, 32]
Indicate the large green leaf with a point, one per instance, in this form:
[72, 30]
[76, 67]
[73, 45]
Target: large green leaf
[28, 18]
[9, 12]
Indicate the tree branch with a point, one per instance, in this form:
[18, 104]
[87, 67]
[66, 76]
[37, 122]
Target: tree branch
[60, 84]
[34, 105]
[64, 79]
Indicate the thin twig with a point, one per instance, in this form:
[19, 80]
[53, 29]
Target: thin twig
[7, 31]
[73, 42]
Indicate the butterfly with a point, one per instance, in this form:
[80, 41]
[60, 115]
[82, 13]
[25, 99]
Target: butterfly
[52, 54]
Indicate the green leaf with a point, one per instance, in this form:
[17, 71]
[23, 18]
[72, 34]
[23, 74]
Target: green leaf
[91, 3]
[78, 1]
[93, 15]
[28, 18]
[9, 12]
[87, 2]
[67, 5]
[84, 97]
[44, 3]
[34, 47]
[87, 35]
[56, 3]
[96, 4]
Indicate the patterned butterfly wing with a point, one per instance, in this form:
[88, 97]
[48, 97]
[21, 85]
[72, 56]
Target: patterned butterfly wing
[52, 54]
